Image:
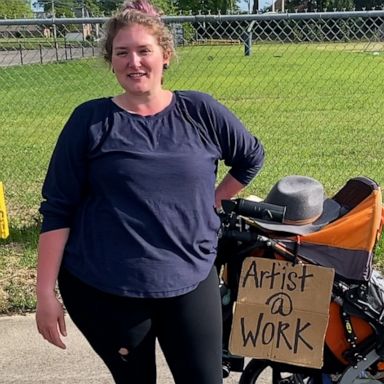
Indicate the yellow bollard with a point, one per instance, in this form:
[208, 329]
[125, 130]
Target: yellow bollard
[4, 230]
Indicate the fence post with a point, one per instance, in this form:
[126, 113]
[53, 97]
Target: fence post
[248, 44]
[65, 49]
[21, 54]
[248, 40]
[41, 53]
[57, 50]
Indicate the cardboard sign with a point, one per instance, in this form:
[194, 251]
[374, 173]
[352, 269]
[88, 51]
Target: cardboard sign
[281, 313]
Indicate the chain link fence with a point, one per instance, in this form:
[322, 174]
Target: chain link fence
[310, 85]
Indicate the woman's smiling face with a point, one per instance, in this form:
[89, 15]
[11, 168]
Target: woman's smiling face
[138, 60]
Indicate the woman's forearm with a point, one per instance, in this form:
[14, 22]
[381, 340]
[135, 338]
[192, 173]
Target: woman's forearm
[50, 253]
[228, 188]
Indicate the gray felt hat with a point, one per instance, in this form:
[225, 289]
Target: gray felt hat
[307, 207]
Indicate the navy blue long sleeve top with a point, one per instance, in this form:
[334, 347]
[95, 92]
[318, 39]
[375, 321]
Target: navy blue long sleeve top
[138, 193]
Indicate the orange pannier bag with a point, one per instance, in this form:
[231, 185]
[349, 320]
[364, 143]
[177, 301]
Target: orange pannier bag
[347, 245]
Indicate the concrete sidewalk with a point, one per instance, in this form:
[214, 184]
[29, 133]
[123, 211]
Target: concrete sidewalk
[25, 358]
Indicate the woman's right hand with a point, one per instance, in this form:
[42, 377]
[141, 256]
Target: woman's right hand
[50, 319]
[49, 312]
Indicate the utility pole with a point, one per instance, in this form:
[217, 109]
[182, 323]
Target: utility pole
[83, 15]
[53, 19]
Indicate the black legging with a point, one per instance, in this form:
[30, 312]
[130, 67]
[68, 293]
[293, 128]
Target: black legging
[123, 331]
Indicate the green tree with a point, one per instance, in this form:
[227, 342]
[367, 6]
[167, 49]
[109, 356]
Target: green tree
[69, 8]
[56, 8]
[205, 6]
[15, 9]
[91, 6]
[109, 6]
[368, 4]
[167, 6]
[320, 5]
[333, 4]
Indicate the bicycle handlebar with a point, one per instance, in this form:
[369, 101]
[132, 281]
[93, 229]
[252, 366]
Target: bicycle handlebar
[255, 209]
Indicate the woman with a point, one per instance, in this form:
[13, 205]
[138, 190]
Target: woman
[129, 223]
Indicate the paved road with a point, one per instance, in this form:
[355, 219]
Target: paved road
[25, 358]
[44, 55]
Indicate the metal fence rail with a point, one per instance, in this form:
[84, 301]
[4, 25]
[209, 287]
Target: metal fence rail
[299, 81]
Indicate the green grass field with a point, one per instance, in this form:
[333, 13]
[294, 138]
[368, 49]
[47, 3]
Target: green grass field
[318, 109]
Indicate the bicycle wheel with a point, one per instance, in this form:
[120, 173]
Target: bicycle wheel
[267, 372]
